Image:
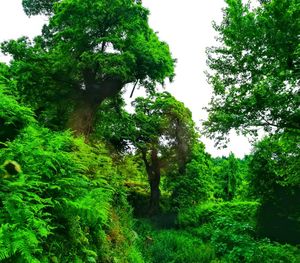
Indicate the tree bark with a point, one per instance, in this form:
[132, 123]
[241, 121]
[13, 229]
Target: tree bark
[82, 119]
[153, 171]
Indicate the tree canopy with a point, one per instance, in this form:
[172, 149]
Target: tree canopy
[87, 52]
[255, 70]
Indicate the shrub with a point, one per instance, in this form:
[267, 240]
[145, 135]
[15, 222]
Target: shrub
[178, 247]
[230, 228]
[241, 211]
[51, 207]
[195, 184]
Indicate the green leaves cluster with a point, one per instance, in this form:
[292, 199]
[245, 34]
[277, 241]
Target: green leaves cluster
[13, 117]
[255, 70]
[164, 123]
[196, 184]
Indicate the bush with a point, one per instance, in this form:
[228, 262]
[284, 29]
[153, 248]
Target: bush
[230, 228]
[196, 184]
[179, 247]
[51, 207]
[240, 211]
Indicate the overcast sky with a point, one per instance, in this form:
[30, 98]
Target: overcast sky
[184, 25]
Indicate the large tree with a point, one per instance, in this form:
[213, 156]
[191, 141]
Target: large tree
[87, 52]
[256, 68]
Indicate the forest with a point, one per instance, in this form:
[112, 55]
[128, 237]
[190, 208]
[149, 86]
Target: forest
[84, 179]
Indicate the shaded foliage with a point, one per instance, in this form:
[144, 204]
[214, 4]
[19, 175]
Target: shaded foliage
[275, 180]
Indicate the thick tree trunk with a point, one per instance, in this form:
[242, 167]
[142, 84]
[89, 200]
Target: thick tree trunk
[82, 119]
[153, 171]
[154, 181]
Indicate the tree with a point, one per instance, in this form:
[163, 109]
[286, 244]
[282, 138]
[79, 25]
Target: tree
[37, 7]
[230, 176]
[164, 136]
[88, 52]
[255, 75]
[255, 71]
[227, 176]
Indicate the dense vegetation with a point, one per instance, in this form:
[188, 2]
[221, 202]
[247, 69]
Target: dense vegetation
[84, 180]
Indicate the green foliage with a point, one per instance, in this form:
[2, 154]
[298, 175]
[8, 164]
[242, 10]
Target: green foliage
[161, 119]
[242, 211]
[163, 123]
[4, 74]
[35, 7]
[231, 177]
[275, 180]
[172, 246]
[51, 201]
[114, 124]
[255, 70]
[38, 83]
[196, 184]
[277, 158]
[61, 199]
[161, 131]
[13, 117]
[178, 247]
[230, 228]
[255, 77]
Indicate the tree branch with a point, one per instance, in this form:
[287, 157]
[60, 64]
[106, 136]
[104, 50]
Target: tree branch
[133, 88]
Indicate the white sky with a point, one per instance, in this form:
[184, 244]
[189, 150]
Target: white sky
[184, 25]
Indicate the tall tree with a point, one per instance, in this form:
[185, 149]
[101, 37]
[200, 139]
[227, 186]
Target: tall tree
[256, 68]
[255, 73]
[87, 52]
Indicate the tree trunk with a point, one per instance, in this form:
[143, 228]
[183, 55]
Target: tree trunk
[153, 171]
[82, 119]
[154, 181]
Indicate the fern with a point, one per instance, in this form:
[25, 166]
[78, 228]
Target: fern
[58, 207]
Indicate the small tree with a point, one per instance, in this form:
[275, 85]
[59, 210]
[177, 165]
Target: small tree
[196, 184]
[164, 135]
